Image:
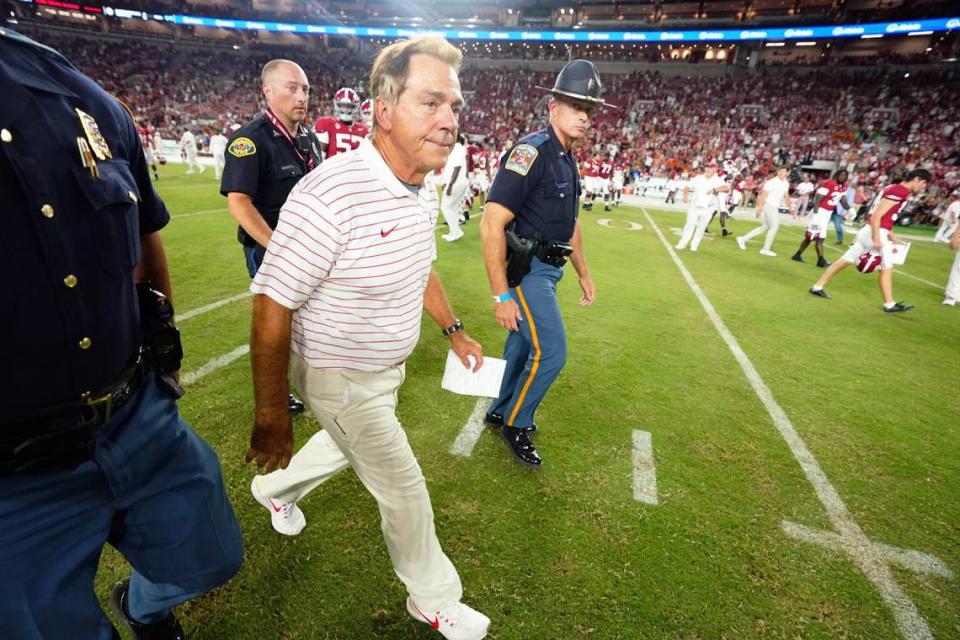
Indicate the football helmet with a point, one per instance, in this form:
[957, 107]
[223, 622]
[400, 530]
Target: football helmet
[869, 262]
[346, 102]
[366, 112]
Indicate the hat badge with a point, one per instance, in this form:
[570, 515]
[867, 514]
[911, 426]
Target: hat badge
[591, 83]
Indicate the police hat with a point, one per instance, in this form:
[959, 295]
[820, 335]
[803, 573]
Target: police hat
[579, 80]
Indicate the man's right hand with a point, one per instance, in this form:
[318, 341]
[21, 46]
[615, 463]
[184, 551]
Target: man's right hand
[271, 442]
[507, 314]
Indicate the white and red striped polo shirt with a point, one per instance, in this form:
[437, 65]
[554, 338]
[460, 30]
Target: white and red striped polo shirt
[351, 256]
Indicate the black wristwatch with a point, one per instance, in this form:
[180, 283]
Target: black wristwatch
[457, 326]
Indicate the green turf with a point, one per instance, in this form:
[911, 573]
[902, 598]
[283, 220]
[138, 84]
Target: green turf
[565, 552]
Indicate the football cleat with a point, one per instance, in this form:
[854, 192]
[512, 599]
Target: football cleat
[822, 263]
[819, 293]
[898, 308]
[742, 244]
[797, 257]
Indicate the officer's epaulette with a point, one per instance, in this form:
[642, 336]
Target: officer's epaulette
[535, 139]
[9, 34]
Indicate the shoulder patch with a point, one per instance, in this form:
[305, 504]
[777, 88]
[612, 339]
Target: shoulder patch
[521, 159]
[242, 147]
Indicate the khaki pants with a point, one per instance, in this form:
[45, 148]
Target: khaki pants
[770, 224]
[360, 429]
[697, 220]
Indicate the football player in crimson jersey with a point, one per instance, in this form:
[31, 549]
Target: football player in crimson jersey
[606, 174]
[591, 173]
[149, 153]
[878, 237]
[618, 180]
[826, 197]
[341, 131]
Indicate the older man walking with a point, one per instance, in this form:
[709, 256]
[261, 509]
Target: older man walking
[342, 285]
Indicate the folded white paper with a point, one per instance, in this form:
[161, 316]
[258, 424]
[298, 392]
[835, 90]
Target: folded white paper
[899, 253]
[485, 382]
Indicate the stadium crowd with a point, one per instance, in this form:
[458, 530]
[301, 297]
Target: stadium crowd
[871, 121]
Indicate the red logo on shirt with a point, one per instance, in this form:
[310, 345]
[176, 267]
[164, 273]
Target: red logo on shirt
[384, 234]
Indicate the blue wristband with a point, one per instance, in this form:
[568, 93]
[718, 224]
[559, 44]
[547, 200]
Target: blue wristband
[503, 297]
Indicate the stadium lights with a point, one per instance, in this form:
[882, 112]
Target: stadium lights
[920, 33]
[807, 44]
[871, 36]
[776, 44]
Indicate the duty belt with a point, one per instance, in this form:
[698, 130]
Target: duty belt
[553, 252]
[63, 436]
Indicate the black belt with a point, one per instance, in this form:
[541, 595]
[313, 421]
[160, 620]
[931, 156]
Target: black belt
[63, 436]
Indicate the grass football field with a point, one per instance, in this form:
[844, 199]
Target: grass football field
[819, 498]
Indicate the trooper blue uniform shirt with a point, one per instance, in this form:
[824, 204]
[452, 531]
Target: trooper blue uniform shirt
[76, 200]
[539, 183]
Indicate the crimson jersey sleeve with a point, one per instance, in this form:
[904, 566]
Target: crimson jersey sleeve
[896, 193]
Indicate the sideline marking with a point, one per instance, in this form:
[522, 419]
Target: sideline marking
[193, 313]
[467, 439]
[915, 561]
[644, 471]
[217, 363]
[857, 546]
[607, 222]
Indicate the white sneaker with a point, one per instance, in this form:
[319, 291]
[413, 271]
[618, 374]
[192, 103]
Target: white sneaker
[456, 622]
[765, 252]
[286, 517]
[741, 243]
[950, 302]
[679, 247]
[451, 238]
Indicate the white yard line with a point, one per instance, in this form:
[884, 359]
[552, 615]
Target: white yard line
[197, 213]
[217, 363]
[915, 561]
[193, 313]
[644, 471]
[472, 430]
[858, 547]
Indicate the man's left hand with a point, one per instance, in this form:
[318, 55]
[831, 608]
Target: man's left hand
[464, 346]
[589, 291]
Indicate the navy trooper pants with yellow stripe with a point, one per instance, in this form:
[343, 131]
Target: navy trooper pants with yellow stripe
[537, 352]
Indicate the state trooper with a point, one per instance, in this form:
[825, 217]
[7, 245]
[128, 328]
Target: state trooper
[530, 229]
[92, 446]
[265, 159]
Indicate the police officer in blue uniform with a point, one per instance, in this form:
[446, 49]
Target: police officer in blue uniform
[265, 159]
[530, 229]
[92, 447]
